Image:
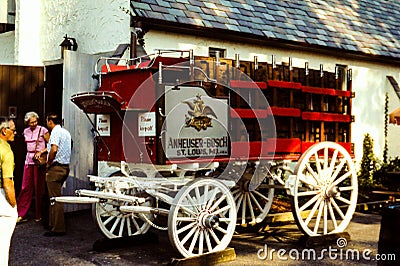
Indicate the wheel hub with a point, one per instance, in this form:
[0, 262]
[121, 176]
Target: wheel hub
[207, 220]
[329, 191]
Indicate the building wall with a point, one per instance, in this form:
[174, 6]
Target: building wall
[98, 26]
[369, 81]
[7, 48]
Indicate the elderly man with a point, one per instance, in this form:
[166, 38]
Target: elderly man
[8, 203]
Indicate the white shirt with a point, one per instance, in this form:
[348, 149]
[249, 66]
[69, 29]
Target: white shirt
[60, 137]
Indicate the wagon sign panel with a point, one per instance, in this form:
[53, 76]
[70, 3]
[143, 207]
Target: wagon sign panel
[196, 124]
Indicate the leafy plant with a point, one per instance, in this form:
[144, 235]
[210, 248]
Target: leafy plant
[369, 164]
[381, 176]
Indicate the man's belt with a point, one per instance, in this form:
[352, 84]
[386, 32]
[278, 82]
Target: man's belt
[59, 164]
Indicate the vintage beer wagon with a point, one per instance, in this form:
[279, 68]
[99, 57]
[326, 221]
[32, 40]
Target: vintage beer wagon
[205, 141]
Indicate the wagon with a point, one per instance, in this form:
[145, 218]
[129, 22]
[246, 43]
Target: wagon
[203, 142]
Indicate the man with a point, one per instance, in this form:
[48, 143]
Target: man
[8, 203]
[59, 148]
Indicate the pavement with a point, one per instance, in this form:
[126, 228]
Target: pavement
[279, 244]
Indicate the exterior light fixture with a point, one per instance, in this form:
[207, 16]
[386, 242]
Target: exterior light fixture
[68, 44]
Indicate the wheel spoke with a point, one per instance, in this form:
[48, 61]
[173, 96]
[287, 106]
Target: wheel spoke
[308, 193]
[344, 200]
[337, 208]
[187, 210]
[317, 163]
[227, 207]
[109, 219]
[224, 219]
[333, 162]
[205, 196]
[135, 223]
[208, 241]
[201, 242]
[192, 202]
[348, 188]
[121, 227]
[218, 202]
[338, 168]
[186, 219]
[239, 202]
[343, 177]
[307, 181]
[194, 240]
[313, 174]
[251, 208]
[326, 158]
[186, 227]
[312, 212]
[331, 212]
[212, 233]
[256, 201]
[325, 220]
[186, 238]
[261, 195]
[198, 197]
[317, 221]
[213, 195]
[128, 225]
[115, 224]
[308, 203]
[244, 209]
[221, 229]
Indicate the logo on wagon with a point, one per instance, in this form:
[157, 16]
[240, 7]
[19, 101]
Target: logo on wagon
[198, 115]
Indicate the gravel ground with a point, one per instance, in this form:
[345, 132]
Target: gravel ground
[30, 247]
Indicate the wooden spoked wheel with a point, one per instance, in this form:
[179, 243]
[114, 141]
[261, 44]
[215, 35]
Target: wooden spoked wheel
[325, 190]
[253, 205]
[202, 217]
[113, 223]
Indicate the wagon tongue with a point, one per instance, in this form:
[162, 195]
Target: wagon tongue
[98, 102]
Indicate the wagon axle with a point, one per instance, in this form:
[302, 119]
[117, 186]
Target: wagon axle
[207, 220]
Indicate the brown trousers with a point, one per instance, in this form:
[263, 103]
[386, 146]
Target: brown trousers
[55, 178]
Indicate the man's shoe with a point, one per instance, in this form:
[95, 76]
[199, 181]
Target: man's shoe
[51, 233]
[48, 227]
[21, 220]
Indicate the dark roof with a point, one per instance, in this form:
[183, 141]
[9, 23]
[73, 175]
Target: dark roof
[370, 27]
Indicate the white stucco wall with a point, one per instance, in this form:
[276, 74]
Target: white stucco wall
[369, 81]
[98, 26]
[3, 11]
[7, 48]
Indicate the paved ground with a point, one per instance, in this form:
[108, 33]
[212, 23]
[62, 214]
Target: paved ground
[30, 247]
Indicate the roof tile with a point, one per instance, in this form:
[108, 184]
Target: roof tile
[364, 26]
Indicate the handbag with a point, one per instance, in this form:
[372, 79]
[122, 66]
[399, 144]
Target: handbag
[42, 160]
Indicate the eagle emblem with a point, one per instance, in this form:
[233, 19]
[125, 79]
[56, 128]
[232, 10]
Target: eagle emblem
[198, 115]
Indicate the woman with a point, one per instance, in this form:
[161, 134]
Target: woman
[36, 138]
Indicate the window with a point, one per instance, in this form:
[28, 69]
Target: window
[212, 52]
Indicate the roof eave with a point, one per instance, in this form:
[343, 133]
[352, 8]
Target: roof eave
[230, 35]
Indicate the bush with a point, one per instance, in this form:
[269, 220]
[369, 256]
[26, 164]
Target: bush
[380, 176]
[369, 165]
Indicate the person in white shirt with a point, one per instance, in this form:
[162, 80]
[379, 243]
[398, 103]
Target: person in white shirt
[59, 149]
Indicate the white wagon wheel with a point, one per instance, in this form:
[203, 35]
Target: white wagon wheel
[325, 190]
[113, 223]
[202, 217]
[253, 205]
